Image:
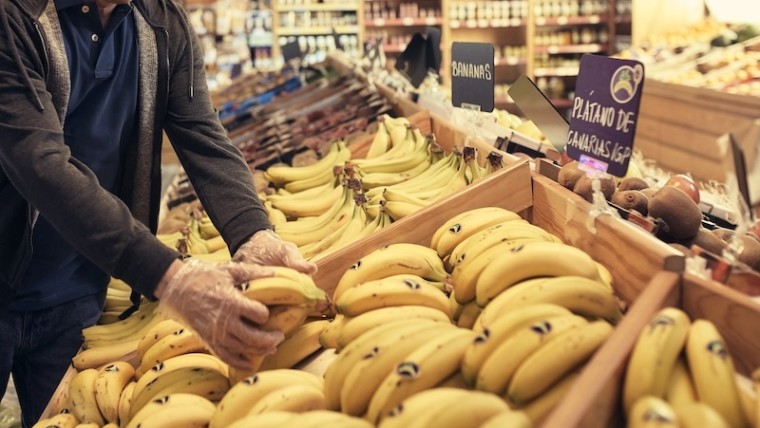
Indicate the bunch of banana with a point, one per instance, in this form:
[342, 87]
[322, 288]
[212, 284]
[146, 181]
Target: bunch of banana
[174, 410]
[392, 260]
[269, 391]
[396, 290]
[391, 132]
[104, 344]
[301, 344]
[117, 301]
[449, 407]
[61, 420]
[391, 361]
[684, 369]
[310, 419]
[193, 373]
[297, 179]
[180, 341]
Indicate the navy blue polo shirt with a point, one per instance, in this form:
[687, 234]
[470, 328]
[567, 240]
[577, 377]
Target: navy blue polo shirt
[101, 119]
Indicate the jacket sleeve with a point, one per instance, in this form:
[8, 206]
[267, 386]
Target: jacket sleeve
[215, 167]
[40, 166]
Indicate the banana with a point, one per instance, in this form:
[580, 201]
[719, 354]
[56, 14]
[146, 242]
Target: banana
[416, 410]
[61, 420]
[305, 232]
[649, 411]
[399, 130]
[392, 195]
[470, 312]
[95, 357]
[435, 177]
[94, 425]
[511, 419]
[134, 326]
[380, 339]
[125, 401]
[385, 179]
[465, 276]
[182, 341]
[303, 342]
[530, 260]
[366, 376]
[295, 206]
[713, 372]
[475, 244]
[326, 418]
[109, 384]
[540, 407]
[320, 179]
[275, 216]
[156, 333]
[454, 381]
[174, 410]
[82, 396]
[279, 290]
[494, 309]
[508, 356]
[279, 175]
[356, 326]
[286, 318]
[243, 395]
[294, 398]
[580, 295]
[418, 154]
[477, 220]
[329, 336]
[266, 420]
[391, 260]
[192, 361]
[470, 411]
[344, 229]
[455, 307]
[680, 389]
[457, 182]
[207, 229]
[699, 415]
[499, 330]
[422, 369]
[388, 293]
[398, 210]
[381, 142]
[655, 354]
[556, 358]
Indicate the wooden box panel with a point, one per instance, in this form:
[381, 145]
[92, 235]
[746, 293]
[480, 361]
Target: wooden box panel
[632, 255]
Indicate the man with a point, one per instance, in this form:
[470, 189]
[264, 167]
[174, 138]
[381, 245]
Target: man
[86, 88]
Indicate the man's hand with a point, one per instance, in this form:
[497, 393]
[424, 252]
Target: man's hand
[203, 297]
[266, 248]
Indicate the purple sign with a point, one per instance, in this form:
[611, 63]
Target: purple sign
[604, 112]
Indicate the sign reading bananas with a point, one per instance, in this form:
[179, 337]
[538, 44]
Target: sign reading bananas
[472, 83]
[604, 112]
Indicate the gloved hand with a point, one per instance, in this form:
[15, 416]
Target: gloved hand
[203, 297]
[266, 248]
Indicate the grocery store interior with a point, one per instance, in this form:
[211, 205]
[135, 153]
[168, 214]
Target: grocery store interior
[551, 205]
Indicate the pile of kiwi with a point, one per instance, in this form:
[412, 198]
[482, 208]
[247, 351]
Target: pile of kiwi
[678, 213]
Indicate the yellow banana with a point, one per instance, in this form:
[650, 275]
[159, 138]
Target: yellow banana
[651, 412]
[388, 293]
[294, 398]
[391, 260]
[477, 220]
[655, 354]
[510, 418]
[555, 359]
[286, 318]
[109, 384]
[245, 394]
[398, 210]
[680, 389]
[507, 357]
[303, 342]
[61, 420]
[416, 410]
[699, 415]
[381, 143]
[366, 375]
[275, 216]
[540, 407]
[422, 369]
[279, 175]
[279, 290]
[356, 326]
[713, 372]
[82, 396]
[265, 420]
[329, 336]
[326, 418]
[494, 309]
[156, 333]
[344, 226]
[530, 260]
[500, 330]
[174, 410]
[125, 401]
[182, 341]
[385, 179]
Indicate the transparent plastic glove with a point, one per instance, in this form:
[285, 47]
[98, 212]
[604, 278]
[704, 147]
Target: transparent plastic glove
[266, 248]
[203, 297]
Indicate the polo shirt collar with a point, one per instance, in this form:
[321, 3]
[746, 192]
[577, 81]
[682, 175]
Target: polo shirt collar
[65, 4]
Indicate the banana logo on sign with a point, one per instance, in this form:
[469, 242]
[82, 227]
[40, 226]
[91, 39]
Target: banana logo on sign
[625, 83]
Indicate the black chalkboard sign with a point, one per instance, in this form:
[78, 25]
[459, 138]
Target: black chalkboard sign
[291, 51]
[472, 72]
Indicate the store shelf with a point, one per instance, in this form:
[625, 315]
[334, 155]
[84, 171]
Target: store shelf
[571, 49]
[308, 31]
[393, 48]
[404, 22]
[571, 20]
[487, 23]
[317, 7]
[559, 71]
[623, 19]
[511, 61]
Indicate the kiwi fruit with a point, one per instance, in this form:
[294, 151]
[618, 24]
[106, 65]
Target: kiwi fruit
[632, 183]
[679, 212]
[569, 174]
[631, 200]
[583, 187]
[750, 255]
[709, 241]
[649, 192]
